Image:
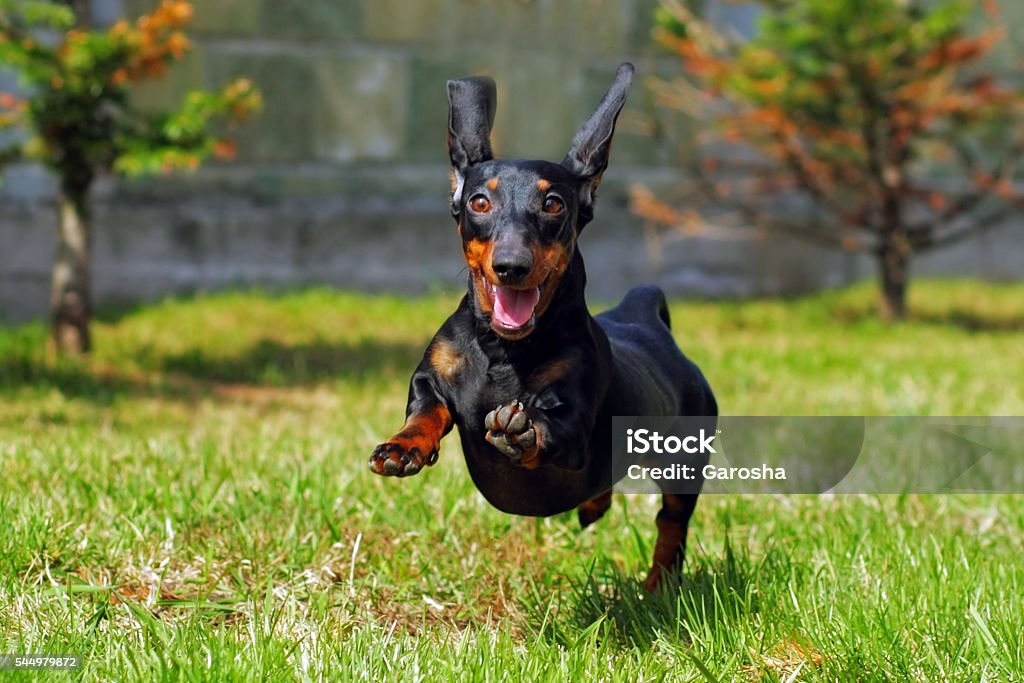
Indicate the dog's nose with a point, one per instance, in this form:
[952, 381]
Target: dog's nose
[511, 265]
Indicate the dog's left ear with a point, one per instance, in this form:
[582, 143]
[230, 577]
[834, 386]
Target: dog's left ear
[588, 156]
[471, 105]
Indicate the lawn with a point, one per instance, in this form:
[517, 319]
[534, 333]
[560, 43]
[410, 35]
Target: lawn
[193, 502]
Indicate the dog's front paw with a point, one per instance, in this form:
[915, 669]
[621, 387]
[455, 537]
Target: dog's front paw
[511, 431]
[394, 459]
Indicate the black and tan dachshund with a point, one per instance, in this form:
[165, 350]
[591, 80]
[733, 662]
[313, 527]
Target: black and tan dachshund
[529, 377]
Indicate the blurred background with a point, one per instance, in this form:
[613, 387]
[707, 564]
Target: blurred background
[343, 179]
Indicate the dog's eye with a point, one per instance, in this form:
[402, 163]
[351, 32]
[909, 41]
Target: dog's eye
[480, 203]
[553, 206]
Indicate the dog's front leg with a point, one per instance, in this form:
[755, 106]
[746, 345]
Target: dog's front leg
[416, 444]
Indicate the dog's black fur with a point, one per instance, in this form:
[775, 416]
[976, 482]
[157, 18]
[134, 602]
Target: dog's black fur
[534, 399]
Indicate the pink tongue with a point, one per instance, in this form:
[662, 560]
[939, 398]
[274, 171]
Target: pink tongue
[514, 307]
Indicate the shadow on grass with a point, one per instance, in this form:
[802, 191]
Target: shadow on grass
[709, 597]
[970, 321]
[195, 373]
[956, 317]
[272, 363]
[76, 379]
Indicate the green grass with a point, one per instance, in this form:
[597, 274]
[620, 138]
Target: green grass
[193, 503]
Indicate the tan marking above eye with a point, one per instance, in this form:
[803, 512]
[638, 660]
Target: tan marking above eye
[492, 184]
[543, 185]
[480, 204]
[553, 206]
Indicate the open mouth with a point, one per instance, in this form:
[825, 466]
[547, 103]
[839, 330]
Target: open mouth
[513, 310]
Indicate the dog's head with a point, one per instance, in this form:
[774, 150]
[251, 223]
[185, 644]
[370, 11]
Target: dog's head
[519, 219]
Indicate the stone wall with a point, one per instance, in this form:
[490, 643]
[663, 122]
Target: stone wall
[344, 177]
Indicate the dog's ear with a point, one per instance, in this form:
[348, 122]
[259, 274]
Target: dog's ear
[471, 105]
[588, 156]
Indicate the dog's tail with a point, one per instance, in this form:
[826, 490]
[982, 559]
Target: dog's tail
[662, 304]
[644, 301]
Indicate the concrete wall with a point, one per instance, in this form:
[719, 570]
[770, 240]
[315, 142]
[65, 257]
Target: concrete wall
[343, 179]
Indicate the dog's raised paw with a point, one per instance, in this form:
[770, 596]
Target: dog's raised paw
[392, 459]
[511, 431]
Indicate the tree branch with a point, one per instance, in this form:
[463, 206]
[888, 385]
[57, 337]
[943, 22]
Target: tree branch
[965, 231]
[1003, 173]
[821, 234]
[958, 208]
[806, 180]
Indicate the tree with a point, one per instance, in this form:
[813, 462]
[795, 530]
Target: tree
[872, 126]
[77, 118]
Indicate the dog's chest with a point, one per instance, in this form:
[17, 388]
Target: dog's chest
[488, 385]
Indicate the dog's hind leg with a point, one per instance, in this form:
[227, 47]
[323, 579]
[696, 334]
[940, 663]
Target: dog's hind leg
[594, 509]
[672, 521]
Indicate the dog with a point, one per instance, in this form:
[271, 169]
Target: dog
[524, 371]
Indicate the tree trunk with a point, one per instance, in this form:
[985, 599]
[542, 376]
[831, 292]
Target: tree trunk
[71, 298]
[893, 264]
[83, 12]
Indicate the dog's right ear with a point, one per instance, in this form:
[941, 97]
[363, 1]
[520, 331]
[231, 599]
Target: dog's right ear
[471, 105]
[588, 157]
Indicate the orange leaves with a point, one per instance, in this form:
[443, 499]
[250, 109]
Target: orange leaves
[11, 109]
[923, 101]
[225, 149]
[152, 42]
[850, 244]
[1001, 187]
[176, 13]
[168, 15]
[643, 203]
[243, 98]
[177, 160]
[178, 45]
[119, 30]
[769, 88]
[126, 52]
[960, 50]
[698, 56]
[1004, 189]
[9, 101]
[700, 62]
[772, 119]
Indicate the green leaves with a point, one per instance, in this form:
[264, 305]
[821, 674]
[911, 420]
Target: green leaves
[183, 139]
[77, 109]
[36, 14]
